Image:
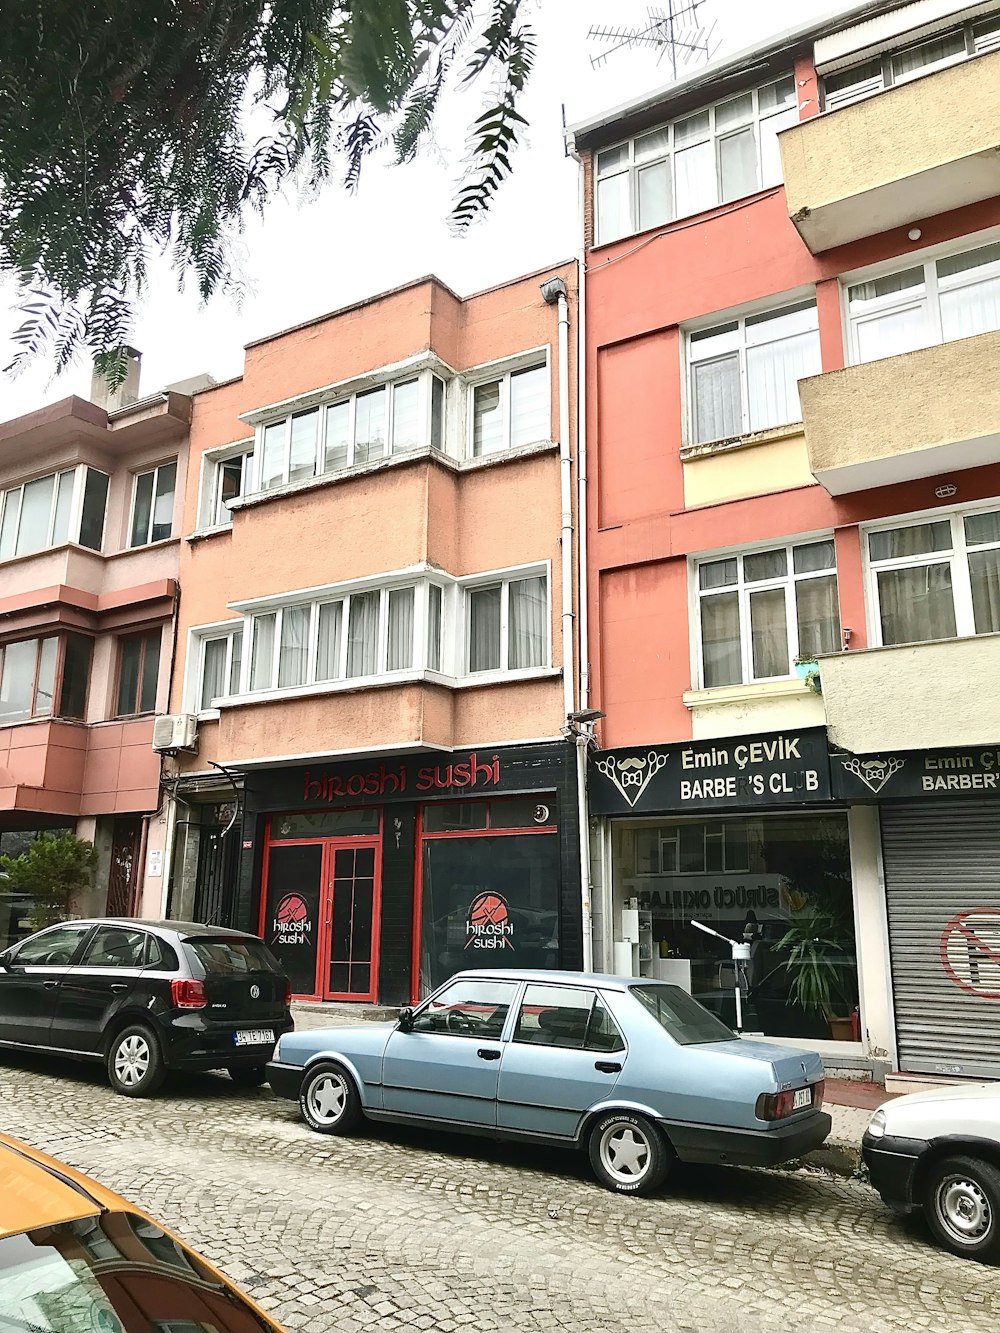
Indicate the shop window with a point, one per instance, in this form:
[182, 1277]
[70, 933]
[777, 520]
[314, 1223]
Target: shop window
[793, 889]
[62, 507]
[138, 673]
[511, 411]
[761, 610]
[326, 824]
[744, 374]
[938, 301]
[153, 505]
[936, 579]
[720, 153]
[508, 813]
[469, 1008]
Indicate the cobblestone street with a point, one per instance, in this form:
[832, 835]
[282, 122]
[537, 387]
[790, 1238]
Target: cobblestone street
[392, 1229]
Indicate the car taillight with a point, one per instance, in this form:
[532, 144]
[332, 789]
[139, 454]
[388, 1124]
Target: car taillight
[819, 1089]
[187, 994]
[288, 992]
[779, 1105]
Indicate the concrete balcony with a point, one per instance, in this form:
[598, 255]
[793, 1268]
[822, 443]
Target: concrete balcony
[922, 696]
[908, 153]
[917, 415]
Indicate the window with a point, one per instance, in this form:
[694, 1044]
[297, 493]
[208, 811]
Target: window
[693, 848]
[468, 1008]
[115, 946]
[61, 507]
[507, 625]
[138, 670]
[561, 1016]
[226, 478]
[761, 610]
[386, 421]
[511, 411]
[42, 677]
[53, 948]
[910, 62]
[744, 374]
[435, 624]
[934, 302]
[937, 579]
[221, 662]
[680, 1016]
[718, 154]
[153, 505]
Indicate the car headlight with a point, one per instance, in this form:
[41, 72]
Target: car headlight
[876, 1126]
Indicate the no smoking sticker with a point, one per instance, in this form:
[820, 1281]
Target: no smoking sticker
[970, 951]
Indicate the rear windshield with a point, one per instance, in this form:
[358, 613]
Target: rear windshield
[683, 1018]
[233, 957]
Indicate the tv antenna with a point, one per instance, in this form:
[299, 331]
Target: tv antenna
[675, 30]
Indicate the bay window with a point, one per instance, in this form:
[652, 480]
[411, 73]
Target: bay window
[44, 677]
[721, 153]
[153, 505]
[67, 506]
[511, 411]
[761, 610]
[936, 579]
[507, 625]
[744, 374]
[937, 301]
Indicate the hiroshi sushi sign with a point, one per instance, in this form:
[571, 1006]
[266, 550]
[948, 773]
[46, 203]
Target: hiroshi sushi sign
[488, 924]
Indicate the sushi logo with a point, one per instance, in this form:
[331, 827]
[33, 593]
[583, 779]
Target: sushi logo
[488, 925]
[291, 920]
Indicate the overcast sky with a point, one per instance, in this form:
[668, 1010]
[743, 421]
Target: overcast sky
[308, 257]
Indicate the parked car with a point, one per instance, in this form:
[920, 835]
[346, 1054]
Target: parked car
[74, 1256]
[939, 1152]
[144, 997]
[634, 1072]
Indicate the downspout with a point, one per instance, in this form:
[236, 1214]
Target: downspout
[170, 832]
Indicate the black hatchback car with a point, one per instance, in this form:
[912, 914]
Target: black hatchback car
[145, 997]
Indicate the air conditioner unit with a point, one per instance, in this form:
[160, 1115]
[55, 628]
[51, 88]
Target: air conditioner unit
[175, 731]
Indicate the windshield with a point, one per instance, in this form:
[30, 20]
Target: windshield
[233, 957]
[116, 1273]
[683, 1018]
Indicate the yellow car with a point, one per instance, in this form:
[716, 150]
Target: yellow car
[75, 1258]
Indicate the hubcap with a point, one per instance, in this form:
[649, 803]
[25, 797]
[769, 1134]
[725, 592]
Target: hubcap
[132, 1060]
[964, 1209]
[327, 1098]
[625, 1153]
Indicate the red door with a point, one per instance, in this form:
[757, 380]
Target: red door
[350, 914]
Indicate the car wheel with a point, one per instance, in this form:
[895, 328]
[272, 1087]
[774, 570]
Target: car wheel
[248, 1076]
[629, 1154]
[329, 1101]
[135, 1064]
[961, 1199]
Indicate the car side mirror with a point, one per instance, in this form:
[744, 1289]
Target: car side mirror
[406, 1019]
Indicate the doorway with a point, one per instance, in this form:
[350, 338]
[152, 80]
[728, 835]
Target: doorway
[320, 914]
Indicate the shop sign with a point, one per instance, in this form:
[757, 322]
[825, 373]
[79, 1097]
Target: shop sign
[488, 924]
[909, 775]
[786, 768]
[290, 934]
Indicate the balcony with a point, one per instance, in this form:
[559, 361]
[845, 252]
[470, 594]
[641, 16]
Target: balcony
[917, 415]
[908, 153]
[923, 696]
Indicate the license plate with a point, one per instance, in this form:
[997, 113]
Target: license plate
[802, 1098]
[254, 1037]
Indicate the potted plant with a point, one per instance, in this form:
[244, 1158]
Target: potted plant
[819, 965]
[807, 669]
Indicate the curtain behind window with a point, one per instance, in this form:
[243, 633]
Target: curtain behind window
[294, 644]
[484, 629]
[331, 616]
[527, 607]
[213, 677]
[400, 656]
[773, 374]
[769, 633]
[916, 605]
[718, 414]
[818, 616]
[984, 571]
[720, 640]
[362, 634]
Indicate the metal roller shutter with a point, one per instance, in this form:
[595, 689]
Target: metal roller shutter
[942, 884]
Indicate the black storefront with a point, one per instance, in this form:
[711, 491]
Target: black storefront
[744, 835]
[376, 879]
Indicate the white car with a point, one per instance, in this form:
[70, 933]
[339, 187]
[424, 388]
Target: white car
[939, 1152]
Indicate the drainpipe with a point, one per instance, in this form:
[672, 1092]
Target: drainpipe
[554, 292]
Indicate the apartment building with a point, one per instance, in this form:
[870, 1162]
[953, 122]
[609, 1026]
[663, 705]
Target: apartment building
[366, 750]
[793, 575]
[88, 589]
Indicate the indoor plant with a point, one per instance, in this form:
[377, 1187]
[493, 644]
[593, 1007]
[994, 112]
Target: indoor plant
[818, 963]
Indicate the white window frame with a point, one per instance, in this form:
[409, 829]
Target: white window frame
[209, 504]
[500, 373]
[79, 484]
[739, 318]
[199, 639]
[634, 165]
[929, 300]
[155, 471]
[744, 589]
[976, 43]
[504, 578]
[957, 558]
[423, 376]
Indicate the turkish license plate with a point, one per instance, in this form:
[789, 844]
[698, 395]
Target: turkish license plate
[254, 1037]
[802, 1098]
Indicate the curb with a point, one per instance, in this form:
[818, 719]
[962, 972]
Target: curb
[835, 1159]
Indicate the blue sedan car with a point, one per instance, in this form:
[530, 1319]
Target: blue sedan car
[635, 1072]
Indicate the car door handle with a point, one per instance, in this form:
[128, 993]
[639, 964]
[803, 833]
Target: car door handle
[607, 1066]
[50, 985]
[485, 1053]
[119, 985]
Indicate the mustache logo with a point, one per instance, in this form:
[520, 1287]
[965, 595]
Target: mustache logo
[630, 765]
